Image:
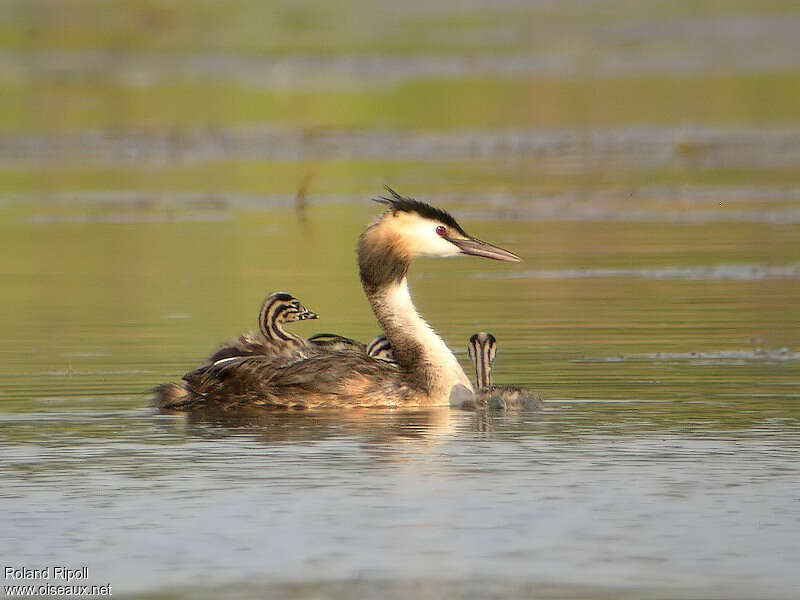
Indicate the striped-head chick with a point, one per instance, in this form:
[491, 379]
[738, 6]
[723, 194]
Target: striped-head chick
[381, 349]
[482, 350]
[410, 229]
[272, 339]
[277, 309]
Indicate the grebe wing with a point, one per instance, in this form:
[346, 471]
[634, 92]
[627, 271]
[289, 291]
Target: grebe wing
[230, 376]
[211, 369]
[248, 344]
[254, 345]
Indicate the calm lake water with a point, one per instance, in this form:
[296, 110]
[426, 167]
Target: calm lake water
[642, 160]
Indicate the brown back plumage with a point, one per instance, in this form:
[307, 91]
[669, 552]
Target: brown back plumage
[334, 379]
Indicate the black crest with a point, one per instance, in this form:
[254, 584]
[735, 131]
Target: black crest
[282, 297]
[403, 204]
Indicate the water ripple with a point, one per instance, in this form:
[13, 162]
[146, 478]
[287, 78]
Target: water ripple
[707, 357]
[562, 150]
[720, 45]
[704, 273]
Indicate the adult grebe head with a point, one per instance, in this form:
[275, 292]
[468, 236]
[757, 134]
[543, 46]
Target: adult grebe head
[429, 231]
[410, 229]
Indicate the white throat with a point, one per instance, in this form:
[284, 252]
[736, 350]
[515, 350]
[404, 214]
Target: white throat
[433, 360]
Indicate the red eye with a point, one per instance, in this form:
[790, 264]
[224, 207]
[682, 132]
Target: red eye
[441, 230]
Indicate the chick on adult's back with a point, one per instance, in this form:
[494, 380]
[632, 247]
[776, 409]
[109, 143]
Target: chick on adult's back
[272, 340]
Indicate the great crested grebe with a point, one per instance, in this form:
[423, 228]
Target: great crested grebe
[272, 339]
[425, 373]
[482, 349]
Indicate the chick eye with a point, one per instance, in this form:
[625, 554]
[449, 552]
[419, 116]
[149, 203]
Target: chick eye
[441, 230]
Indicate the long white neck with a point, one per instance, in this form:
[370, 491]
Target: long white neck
[417, 348]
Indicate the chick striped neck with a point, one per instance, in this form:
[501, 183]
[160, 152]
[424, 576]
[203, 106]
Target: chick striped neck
[483, 359]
